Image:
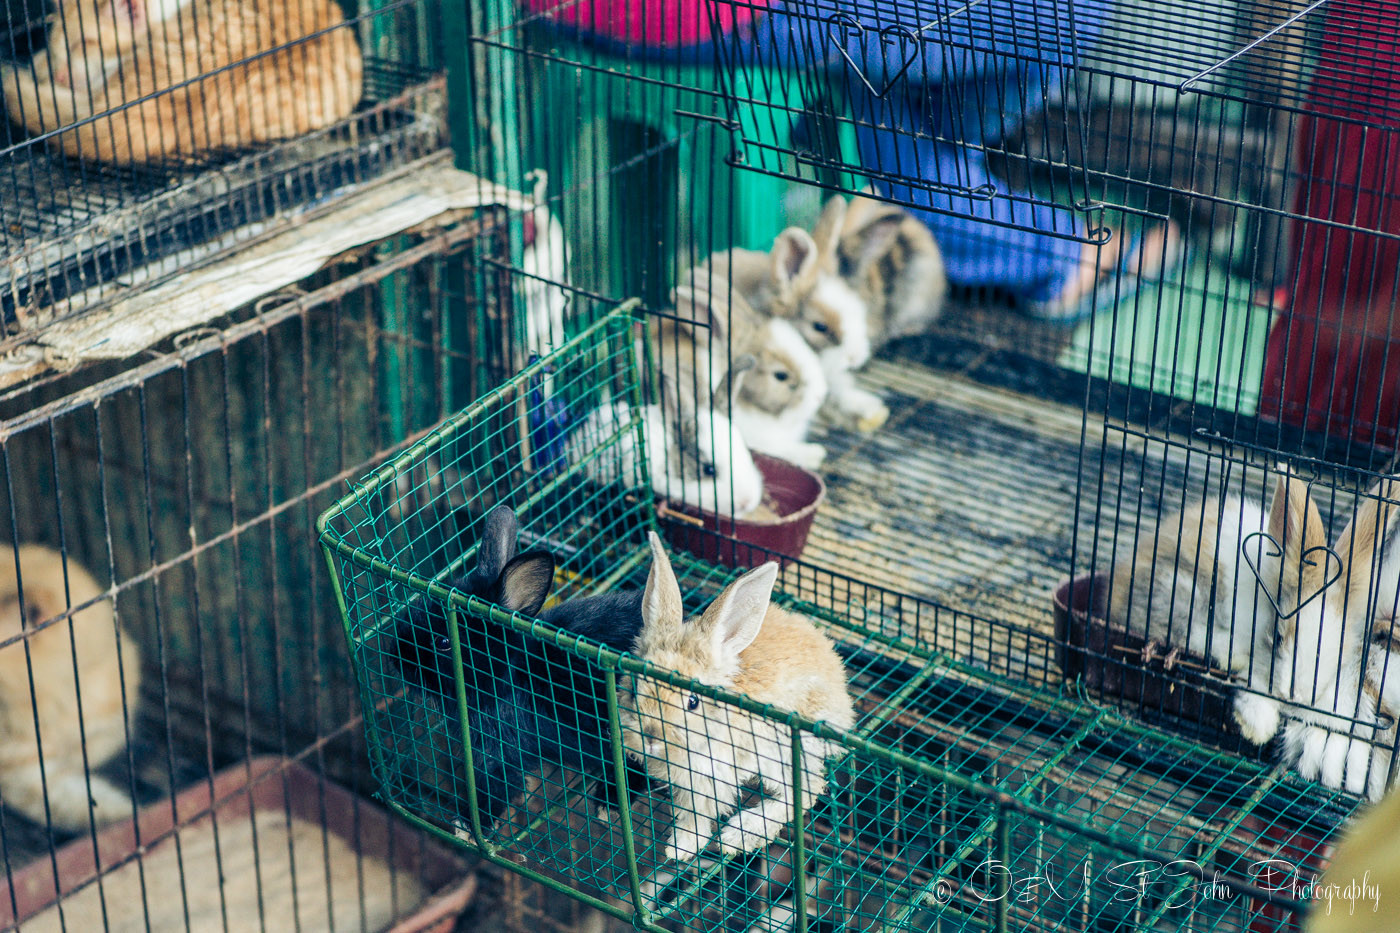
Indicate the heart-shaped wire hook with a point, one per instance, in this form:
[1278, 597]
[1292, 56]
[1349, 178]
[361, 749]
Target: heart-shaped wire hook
[843, 26]
[1305, 562]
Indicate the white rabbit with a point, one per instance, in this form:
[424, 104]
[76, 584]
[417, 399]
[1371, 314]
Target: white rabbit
[780, 395]
[708, 751]
[1370, 549]
[1318, 658]
[698, 459]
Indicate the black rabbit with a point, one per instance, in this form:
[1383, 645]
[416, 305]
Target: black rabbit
[528, 702]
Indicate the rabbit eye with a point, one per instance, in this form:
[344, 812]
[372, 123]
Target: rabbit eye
[692, 701]
[820, 327]
[442, 643]
[708, 469]
[780, 376]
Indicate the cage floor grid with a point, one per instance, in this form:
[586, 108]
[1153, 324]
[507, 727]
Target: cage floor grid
[892, 850]
[944, 503]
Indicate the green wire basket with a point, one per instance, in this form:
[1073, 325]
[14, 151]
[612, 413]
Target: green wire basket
[976, 792]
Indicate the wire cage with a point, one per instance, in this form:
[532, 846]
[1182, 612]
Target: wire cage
[1126, 507]
[971, 768]
[229, 781]
[141, 138]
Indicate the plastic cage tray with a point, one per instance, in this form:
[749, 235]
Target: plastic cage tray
[965, 798]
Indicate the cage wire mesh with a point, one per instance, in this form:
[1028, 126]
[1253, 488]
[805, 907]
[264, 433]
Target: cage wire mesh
[143, 136]
[1075, 133]
[970, 766]
[173, 497]
[1075, 763]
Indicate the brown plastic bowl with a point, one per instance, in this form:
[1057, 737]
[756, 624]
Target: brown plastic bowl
[1110, 660]
[789, 490]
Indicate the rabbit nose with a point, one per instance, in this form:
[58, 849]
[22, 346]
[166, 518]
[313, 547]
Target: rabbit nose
[655, 748]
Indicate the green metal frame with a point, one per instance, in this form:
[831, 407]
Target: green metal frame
[951, 763]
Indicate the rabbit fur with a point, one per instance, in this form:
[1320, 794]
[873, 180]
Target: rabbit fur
[697, 457]
[1370, 549]
[1186, 585]
[543, 263]
[781, 395]
[707, 751]
[528, 702]
[1191, 584]
[1318, 657]
[779, 378]
[76, 737]
[797, 280]
[891, 260]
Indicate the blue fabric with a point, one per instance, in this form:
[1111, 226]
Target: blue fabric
[998, 60]
[971, 76]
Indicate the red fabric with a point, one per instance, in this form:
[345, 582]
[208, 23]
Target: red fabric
[657, 23]
[1334, 359]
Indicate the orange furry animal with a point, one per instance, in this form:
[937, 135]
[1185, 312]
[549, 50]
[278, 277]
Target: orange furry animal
[708, 751]
[105, 54]
[109, 681]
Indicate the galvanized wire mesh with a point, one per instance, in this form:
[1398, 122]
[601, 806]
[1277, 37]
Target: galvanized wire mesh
[187, 483]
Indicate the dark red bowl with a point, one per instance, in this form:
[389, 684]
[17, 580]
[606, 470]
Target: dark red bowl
[789, 490]
[1110, 661]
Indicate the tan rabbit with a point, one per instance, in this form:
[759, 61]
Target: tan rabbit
[275, 69]
[1191, 585]
[1188, 588]
[108, 667]
[780, 395]
[708, 751]
[797, 280]
[892, 261]
[698, 343]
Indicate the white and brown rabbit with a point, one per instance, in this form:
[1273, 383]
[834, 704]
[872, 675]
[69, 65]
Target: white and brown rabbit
[891, 260]
[76, 738]
[797, 280]
[708, 751]
[275, 69]
[1191, 585]
[780, 396]
[1318, 657]
[1188, 588]
[697, 457]
[1370, 549]
[705, 336]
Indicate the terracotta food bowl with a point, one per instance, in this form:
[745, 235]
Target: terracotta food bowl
[779, 528]
[1115, 663]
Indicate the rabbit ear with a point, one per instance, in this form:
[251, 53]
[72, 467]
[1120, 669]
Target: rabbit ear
[526, 582]
[1365, 544]
[874, 236]
[1297, 526]
[733, 380]
[661, 602]
[498, 531]
[697, 306]
[794, 263]
[734, 618]
[827, 233]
